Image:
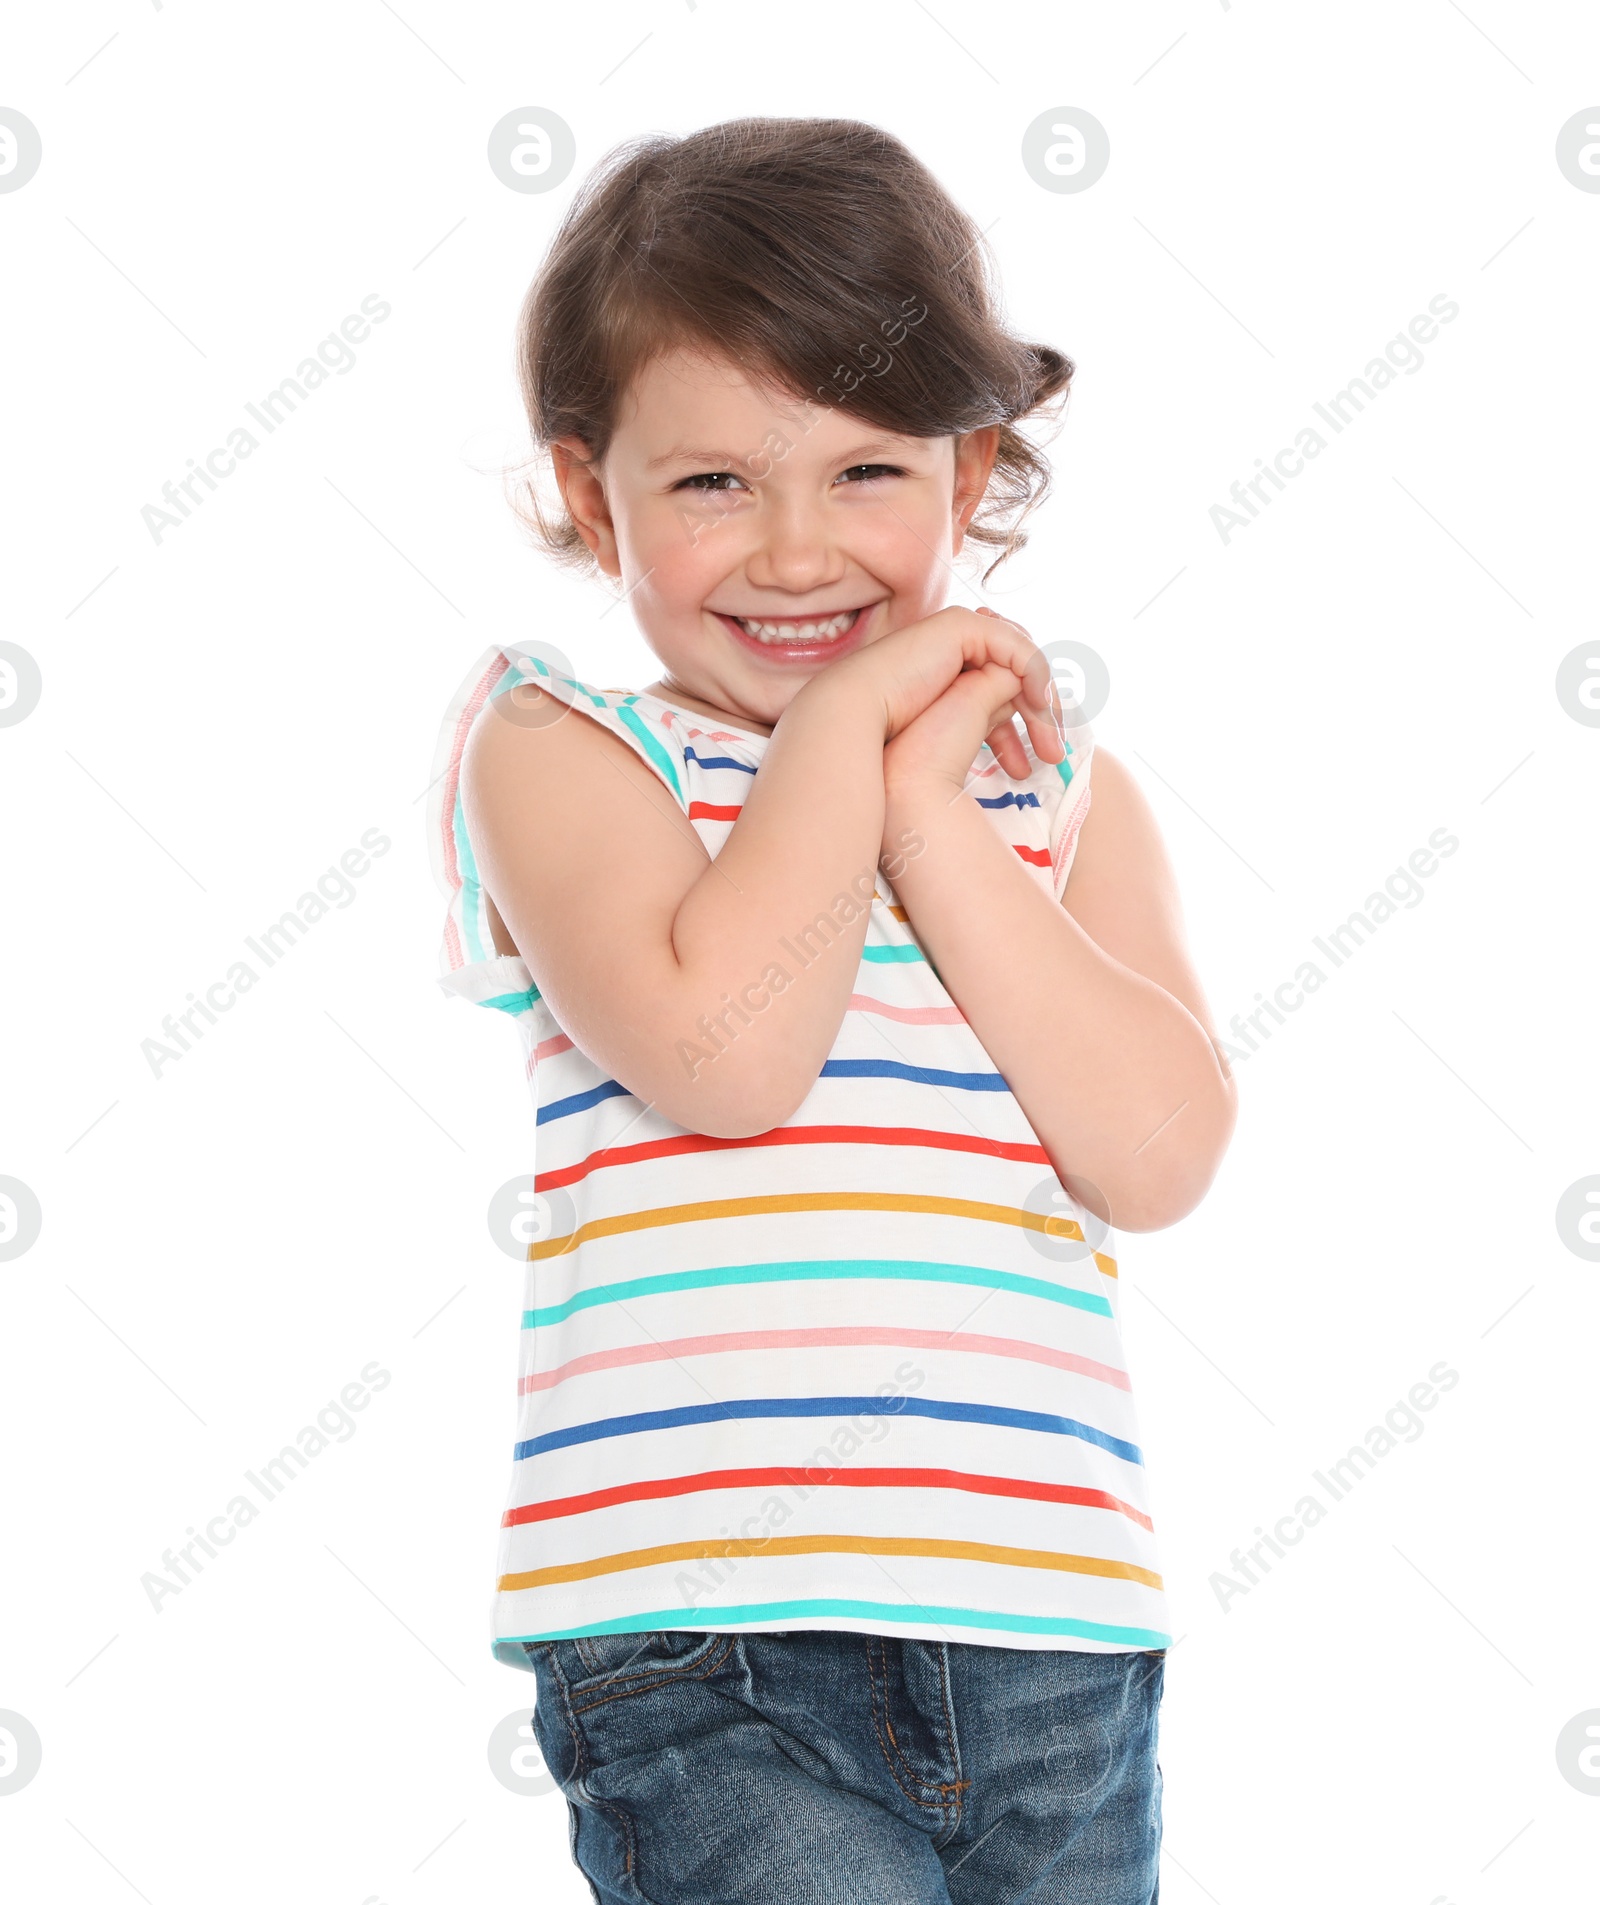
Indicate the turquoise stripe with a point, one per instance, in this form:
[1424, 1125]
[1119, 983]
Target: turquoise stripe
[544, 668]
[509, 680]
[893, 955]
[513, 1002]
[1064, 767]
[473, 915]
[474, 912]
[815, 1272]
[658, 754]
[700, 1619]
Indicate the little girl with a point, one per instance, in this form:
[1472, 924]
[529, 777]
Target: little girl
[853, 1031]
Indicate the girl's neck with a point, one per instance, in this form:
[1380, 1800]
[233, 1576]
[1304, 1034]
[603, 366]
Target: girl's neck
[666, 691]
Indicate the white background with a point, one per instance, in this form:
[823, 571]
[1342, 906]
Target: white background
[224, 713]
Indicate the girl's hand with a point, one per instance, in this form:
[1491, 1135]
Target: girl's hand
[909, 669]
[938, 747]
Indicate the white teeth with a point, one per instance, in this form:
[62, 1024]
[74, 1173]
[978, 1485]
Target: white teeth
[776, 633]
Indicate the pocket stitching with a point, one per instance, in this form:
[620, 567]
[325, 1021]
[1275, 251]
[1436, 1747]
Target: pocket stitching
[667, 1670]
[582, 1645]
[624, 1821]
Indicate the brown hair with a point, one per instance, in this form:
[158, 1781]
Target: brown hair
[824, 257]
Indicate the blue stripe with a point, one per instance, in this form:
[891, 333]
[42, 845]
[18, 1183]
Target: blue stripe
[717, 760]
[1013, 799]
[785, 1613]
[812, 1271]
[913, 1074]
[833, 1068]
[758, 1407]
[580, 1101]
[893, 955]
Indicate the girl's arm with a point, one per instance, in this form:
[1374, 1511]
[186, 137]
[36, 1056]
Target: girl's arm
[656, 960]
[677, 973]
[1091, 1010]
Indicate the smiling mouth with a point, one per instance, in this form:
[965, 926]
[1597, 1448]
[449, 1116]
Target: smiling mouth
[794, 631]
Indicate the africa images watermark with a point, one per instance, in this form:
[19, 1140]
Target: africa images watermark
[1401, 889]
[813, 941]
[1400, 354]
[334, 890]
[756, 1530]
[334, 356]
[274, 1478]
[1398, 1425]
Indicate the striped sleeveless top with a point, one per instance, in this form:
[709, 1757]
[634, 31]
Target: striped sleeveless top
[862, 1371]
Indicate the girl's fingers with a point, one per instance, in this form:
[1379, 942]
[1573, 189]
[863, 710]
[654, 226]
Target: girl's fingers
[1013, 756]
[1044, 729]
[1021, 654]
[1006, 746]
[1004, 740]
[1020, 672]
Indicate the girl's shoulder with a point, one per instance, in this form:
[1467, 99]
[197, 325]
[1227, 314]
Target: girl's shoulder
[511, 692]
[531, 688]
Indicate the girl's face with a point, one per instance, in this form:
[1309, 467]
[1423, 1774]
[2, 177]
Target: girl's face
[759, 537]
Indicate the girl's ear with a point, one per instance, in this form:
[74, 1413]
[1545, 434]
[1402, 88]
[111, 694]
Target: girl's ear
[975, 454]
[583, 492]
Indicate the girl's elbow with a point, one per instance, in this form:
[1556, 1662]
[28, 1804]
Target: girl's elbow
[728, 1107]
[1165, 1192]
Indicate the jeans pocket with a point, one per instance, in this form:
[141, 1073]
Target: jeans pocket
[603, 1666]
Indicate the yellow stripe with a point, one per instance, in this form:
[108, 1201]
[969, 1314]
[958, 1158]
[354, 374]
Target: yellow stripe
[1046, 1224]
[735, 1549]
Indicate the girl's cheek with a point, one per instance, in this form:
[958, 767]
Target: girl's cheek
[907, 545]
[682, 542]
[683, 565]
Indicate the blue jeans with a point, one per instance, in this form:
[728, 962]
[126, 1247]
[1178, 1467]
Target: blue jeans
[830, 1768]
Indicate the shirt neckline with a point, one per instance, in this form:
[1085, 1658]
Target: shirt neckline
[704, 721]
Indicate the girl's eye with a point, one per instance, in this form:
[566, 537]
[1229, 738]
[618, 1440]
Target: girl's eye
[713, 482]
[705, 479]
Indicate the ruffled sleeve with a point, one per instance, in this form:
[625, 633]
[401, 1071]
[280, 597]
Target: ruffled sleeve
[1072, 803]
[469, 966]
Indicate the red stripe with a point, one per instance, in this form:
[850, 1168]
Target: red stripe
[792, 1134]
[703, 810]
[1039, 856]
[834, 1478]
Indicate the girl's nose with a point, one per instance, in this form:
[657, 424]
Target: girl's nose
[793, 549]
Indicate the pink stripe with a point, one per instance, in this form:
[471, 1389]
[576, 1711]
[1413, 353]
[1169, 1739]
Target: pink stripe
[716, 734]
[1065, 845]
[859, 1002]
[909, 1014]
[838, 1338]
[452, 943]
[547, 1048]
